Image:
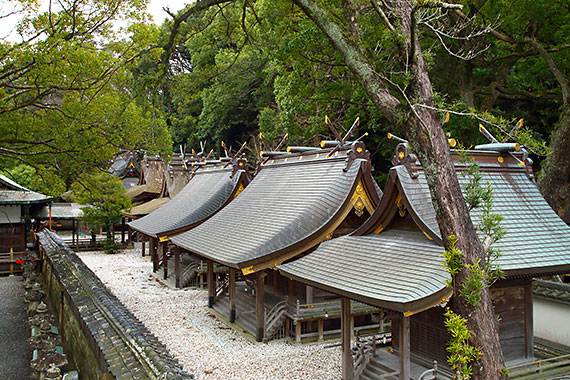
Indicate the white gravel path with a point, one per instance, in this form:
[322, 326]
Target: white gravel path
[203, 344]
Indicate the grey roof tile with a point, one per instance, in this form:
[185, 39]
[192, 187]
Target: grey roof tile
[288, 201]
[208, 190]
[399, 270]
[536, 239]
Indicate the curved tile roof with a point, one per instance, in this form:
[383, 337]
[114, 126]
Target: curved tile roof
[12, 193]
[290, 201]
[398, 270]
[536, 240]
[208, 190]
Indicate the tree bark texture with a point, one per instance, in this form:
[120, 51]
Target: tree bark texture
[422, 128]
[555, 176]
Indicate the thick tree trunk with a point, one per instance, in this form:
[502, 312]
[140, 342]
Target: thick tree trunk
[555, 174]
[422, 127]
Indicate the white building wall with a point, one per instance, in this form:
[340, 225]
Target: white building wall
[551, 320]
[10, 213]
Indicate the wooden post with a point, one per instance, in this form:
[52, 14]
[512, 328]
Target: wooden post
[123, 226]
[298, 332]
[177, 266]
[232, 285]
[211, 283]
[259, 305]
[165, 259]
[404, 348]
[352, 326]
[528, 321]
[309, 295]
[321, 330]
[72, 232]
[347, 364]
[152, 252]
[143, 238]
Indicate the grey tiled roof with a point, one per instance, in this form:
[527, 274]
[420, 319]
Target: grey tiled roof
[208, 190]
[288, 202]
[398, 270]
[63, 211]
[537, 240]
[556, 291]
[12, 193]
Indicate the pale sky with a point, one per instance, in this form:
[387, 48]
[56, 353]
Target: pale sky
[8, 24]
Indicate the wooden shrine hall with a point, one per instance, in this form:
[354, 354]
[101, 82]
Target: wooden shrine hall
[19, 206]
[394, 262]
[212, 185]
[297, 200]
[126, 167]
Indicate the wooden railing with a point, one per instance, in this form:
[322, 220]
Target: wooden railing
[556, 365]
[365, 350]
[272, 319]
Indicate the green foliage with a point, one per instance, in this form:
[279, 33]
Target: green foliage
[67, 102]
[453, 260]
[462, 354]
[105, 199]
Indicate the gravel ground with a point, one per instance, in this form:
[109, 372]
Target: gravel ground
[203, 344]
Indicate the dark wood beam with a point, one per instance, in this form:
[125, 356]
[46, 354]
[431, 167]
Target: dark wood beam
[152, 252]
[177, 266]
[123, 226]
[347, 364]
[232, 285]
[143, 239]
[404, 348]
[211, 283]
[164, 249]
[259, 305]
[528, 322]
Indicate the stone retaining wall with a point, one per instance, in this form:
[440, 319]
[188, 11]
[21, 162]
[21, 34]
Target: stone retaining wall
[104, 338]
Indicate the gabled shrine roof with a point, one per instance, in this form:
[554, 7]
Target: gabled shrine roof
[11, 193]
[291, 205]
[396, 270]
[537, 241]
[210, 188]
[125, 165]
[401, 270]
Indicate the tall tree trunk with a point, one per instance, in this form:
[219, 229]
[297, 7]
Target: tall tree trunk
[422, 127]
[555, 174]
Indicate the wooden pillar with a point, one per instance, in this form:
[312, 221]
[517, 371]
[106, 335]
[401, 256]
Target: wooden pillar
[298, 332]
[152, 252]
[404, 348]
[290, 288]
[321, 330]
[211, 283]
[72, 232]
[528, 321]
[129, 235]
[259, 305]
[347, 364]
[232, 285]
[177, 266]
[123, 226]
[165, 259]
[309, 295]
[143, 239]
